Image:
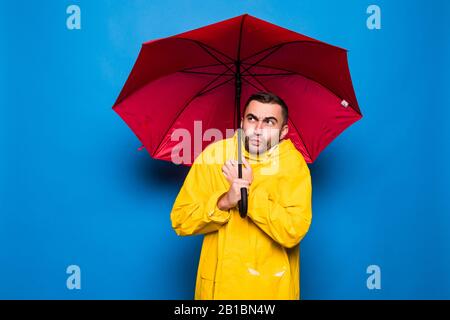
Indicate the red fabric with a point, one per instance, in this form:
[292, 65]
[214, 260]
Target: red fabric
[160, 96]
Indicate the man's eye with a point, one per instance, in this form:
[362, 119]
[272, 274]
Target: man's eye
[271, 122]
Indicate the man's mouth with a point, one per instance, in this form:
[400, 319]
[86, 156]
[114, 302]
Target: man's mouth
[255, 141]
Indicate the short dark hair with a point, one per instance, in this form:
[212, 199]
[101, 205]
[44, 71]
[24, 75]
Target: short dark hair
[269, 97]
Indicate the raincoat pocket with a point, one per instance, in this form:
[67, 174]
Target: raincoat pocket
[264, 283]
[251, 280]
[208, 259]
[206, 289]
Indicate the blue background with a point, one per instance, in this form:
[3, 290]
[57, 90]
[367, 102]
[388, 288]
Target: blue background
[75, 190]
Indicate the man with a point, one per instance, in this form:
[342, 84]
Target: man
[256, 257]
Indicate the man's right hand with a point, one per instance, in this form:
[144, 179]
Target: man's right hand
[230, 199]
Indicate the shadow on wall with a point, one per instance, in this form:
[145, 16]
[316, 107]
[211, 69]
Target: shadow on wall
[166, 172]
[163, 180]
[321, 170]
[152, 172]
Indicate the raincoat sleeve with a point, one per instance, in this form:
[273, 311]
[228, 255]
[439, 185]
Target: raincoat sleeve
[195, 210]
[285, 217]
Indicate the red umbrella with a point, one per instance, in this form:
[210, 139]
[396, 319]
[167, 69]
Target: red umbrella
[201, 75]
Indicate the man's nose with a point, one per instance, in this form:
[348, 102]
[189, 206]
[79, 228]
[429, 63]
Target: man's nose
[258, 127]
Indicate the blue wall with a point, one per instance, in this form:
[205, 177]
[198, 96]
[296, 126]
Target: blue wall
[74, 189]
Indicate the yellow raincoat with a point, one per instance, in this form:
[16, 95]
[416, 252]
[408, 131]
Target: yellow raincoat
[256, 257]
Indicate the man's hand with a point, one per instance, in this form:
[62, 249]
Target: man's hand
[230, 199]
[230, 170]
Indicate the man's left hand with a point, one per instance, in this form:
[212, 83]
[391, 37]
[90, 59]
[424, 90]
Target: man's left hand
[230, 170]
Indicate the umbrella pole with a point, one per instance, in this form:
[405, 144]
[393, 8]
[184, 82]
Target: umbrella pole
[238, 85]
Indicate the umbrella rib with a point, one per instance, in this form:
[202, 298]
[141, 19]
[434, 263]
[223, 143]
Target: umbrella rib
[267, 49]
[216, 86]
[205, 66]
[240, 39]
[252, 84]
[210, 53]
[208, 46]
[203, 46]
[309, 78]
[270, 74]
[264, 87]
[301, 138]
[212, 48]
[206, 73]
[290, 42]
[181, 111]
[263, 58]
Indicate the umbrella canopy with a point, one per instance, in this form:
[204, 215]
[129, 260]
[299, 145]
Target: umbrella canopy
[195, 80]
[192, 77]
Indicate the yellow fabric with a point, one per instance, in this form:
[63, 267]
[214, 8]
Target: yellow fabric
[256, 257]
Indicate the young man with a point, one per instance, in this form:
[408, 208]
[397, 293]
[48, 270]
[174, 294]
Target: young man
[256, 257]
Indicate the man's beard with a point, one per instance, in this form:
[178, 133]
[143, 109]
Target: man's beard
[258, 150]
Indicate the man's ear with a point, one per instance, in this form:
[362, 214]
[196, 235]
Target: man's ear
[284, 131]
[242, 122]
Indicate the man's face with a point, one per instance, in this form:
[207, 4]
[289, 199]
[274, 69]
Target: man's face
[263, 126]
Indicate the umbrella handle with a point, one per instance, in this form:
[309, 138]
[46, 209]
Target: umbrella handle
[243, 203]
